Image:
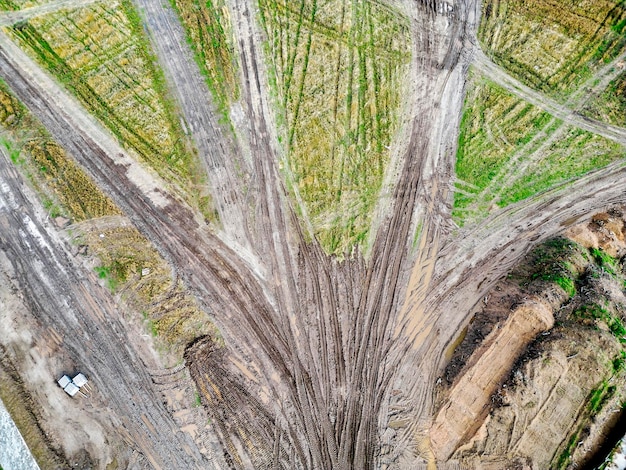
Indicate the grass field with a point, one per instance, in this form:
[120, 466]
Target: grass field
[209, 34]
[101, 54]
[553, 46]
[339, 69]
[510, 150]
[610, 106]
[575, 153]
[496, 127]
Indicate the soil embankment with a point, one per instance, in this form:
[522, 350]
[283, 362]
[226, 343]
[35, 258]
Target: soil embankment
[538, 380]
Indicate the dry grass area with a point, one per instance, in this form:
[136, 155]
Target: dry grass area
[63, 187]
[20, 4]
[74, 190]
[551, 46]
[131, 267]
[129, 264]
[209, 34]
[339, 70]
[101, 54]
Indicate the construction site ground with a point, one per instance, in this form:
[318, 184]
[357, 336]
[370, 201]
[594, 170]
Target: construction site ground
[321, 361]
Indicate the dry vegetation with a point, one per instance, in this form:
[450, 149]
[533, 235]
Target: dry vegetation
[101, 54]
[551, 46]
[62, 185]
[339, 69]
[20, 4]
[209, 34]
[124, 254]
[131, 267]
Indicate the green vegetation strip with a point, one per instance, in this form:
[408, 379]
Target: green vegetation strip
[599, 313]
[556, 261]
[495, 126]
[14, 5]
[209, 34]
[509, 151]
[576, 154]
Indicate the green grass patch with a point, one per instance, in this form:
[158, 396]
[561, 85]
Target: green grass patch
[564, 458]
[619, 363]
[109, 275]
[604, 260]
[565, 282]
[337, 72]
[594, 311]
[495, 126]
[599, 313]
[556, 261]
[576, 154]
[600, 396]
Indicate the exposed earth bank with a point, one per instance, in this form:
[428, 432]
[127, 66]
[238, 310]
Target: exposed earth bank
[537, 380]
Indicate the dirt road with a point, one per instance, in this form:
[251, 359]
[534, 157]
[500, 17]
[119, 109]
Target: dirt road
[67, 299]
[321, 354]
[561, 111]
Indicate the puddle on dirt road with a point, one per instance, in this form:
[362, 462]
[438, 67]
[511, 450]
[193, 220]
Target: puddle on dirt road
[618, 457]
[14, 454]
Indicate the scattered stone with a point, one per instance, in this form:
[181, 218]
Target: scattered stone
[61, 222]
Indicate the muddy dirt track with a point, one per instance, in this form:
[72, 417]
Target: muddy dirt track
[71, 302]
[318, 351]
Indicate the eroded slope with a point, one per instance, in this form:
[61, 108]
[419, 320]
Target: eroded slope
[550, 401]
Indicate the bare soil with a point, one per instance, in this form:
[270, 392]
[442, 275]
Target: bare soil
[531, 403]
[323, 362]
